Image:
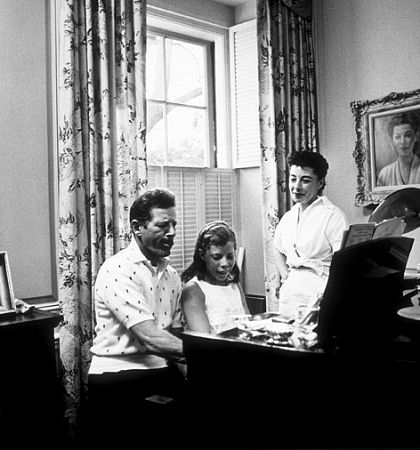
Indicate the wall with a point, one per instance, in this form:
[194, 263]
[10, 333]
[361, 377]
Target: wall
[365, 50]
[246, 11]
[215, 13]
[251, 202]
[24, 200]
[250, 211]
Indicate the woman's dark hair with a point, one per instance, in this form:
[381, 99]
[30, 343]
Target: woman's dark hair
[214, 233]
[314, 160]
[402, 119]
[153, 198]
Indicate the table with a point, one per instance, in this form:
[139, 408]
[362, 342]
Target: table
[29, 394]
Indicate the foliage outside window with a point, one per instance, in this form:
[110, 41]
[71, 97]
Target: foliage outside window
[179, 102]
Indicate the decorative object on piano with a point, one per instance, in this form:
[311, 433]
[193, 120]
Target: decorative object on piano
[410, 312]
[413, 312]
[278, 329]
[7, 298]
[387, 136]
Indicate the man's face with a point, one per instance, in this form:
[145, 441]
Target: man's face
[156, 236]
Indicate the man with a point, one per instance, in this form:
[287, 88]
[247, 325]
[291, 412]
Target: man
[136, 306]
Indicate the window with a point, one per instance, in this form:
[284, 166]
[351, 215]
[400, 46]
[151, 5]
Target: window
[187, 143]
[180, 125]
[213, 39]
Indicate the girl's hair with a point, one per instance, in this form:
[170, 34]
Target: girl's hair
[214, 233]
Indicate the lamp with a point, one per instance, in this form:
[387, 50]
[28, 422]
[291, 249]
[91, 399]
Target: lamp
[404, 203]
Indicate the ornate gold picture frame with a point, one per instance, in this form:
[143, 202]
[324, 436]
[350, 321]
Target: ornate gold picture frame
[375, 148]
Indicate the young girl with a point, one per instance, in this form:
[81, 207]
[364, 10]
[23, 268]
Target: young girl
[212, 293]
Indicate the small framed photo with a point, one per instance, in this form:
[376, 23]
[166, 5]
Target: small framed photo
[7, 298]
[387, 149]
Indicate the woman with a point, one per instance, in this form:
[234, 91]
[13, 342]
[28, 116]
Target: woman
[307, 235]
[403, 131]
[212, 294]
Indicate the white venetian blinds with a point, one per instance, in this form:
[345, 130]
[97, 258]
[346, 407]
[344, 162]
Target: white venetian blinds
[203, 195]
[244, 84]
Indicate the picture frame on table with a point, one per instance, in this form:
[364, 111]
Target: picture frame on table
[7, 298]
[376, 148]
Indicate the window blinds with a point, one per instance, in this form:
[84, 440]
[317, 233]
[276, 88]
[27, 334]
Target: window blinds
[245, 102]
[202, 195]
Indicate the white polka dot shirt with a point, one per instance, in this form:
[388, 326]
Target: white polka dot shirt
[129, 290]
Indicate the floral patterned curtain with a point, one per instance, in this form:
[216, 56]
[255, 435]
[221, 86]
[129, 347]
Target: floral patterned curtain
[102, 162]
[287, 114]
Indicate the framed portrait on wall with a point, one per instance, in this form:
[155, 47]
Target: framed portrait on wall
[387, 147]
[7, 298]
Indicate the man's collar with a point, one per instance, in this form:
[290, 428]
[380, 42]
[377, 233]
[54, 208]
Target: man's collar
[137, 256]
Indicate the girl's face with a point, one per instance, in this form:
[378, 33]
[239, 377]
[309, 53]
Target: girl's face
[304, 185]
[219, 260]
[404, 138]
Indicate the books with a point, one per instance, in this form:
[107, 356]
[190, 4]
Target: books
[361, 232]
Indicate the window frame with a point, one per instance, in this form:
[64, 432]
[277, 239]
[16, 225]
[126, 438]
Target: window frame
[218, 36]
[209, 158]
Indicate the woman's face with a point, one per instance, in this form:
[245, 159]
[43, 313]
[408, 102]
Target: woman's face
[304, 185]
[403, 138]
[219, 260]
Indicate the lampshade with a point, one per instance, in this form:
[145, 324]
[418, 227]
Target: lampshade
[403, 203]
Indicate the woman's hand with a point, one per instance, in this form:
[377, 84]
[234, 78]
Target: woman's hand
[281, 265]
[283, 275]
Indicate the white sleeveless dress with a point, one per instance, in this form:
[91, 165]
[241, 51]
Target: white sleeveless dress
[221, 302]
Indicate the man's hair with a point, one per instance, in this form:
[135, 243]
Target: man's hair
[402, 119]
[153, 198]
[310, 159]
